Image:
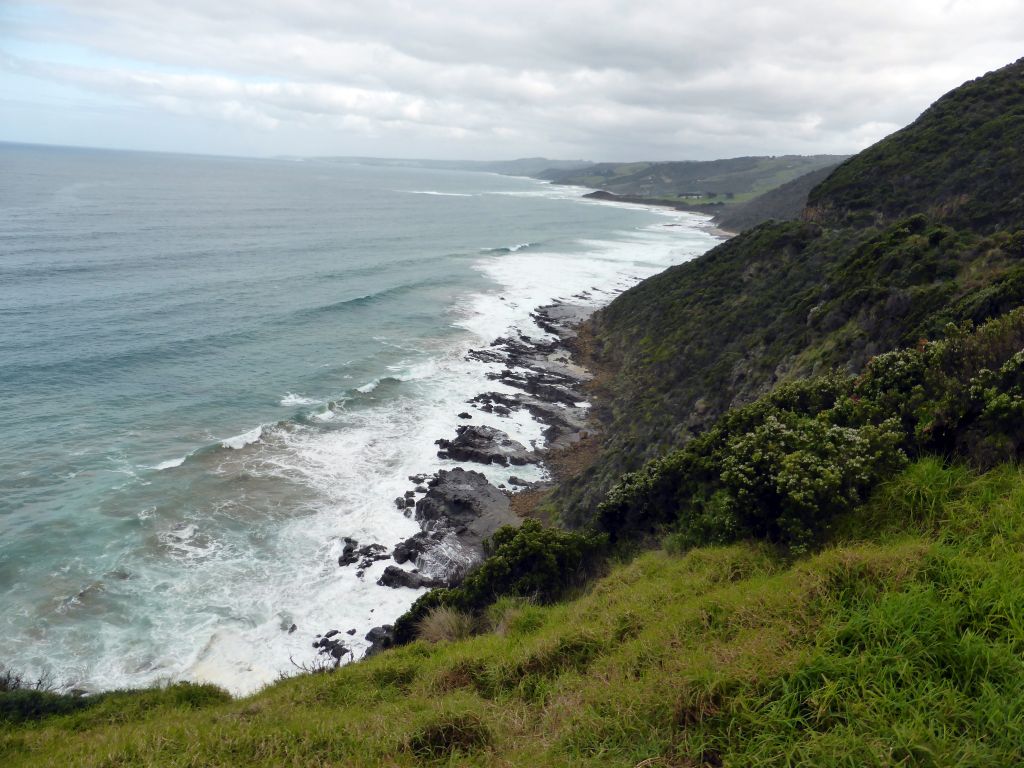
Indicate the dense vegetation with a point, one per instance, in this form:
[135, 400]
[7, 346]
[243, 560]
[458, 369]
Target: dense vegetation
[794, 299]
[783, 468]
[960, 161]
[815, 428]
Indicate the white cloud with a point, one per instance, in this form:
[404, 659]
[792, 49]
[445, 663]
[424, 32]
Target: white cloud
[602, 78]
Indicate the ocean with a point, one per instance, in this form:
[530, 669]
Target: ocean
[213, 370]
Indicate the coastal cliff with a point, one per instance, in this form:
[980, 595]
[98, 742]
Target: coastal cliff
[796, 539]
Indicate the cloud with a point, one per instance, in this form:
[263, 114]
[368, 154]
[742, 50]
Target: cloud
[601, 79]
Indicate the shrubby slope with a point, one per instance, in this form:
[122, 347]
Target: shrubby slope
[793, 299]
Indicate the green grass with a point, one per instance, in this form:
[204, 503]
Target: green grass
[902, 644]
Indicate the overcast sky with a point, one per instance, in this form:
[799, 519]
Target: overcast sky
[594, 79]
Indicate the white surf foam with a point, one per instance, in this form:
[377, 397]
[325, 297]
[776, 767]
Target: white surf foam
[170, 463]
[436, 192]
[291, 399]
[246, 438]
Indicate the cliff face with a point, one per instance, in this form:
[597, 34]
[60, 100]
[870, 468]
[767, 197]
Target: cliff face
[920, 230]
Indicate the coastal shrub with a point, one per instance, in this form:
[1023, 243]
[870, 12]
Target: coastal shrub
[444, 624]
[24, 698]
[997, 399]
[26, 705]
[529, 561]
[11, 680]
[785, 466]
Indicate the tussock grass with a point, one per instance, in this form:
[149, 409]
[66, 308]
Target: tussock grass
[444, 625]
[902, 645]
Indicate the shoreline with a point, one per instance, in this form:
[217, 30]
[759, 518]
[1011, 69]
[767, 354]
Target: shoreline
[611, 197]
[241, 606]
[459, 507]
[554, 380]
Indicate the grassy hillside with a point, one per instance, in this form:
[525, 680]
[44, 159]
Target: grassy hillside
[900, 645]
[784, 203]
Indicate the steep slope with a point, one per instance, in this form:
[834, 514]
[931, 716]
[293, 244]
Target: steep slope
[785, 300]
[784, 203]
[962, 161]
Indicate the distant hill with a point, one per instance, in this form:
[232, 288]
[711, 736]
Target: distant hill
[525, 166]
[694, 182]
[785, 203]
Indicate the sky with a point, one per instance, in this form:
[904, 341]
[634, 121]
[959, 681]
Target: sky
[479, 79]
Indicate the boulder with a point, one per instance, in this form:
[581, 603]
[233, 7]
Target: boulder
[414, 546]
[465, 503]
[396, 577]
[485, 445]
[380, 638]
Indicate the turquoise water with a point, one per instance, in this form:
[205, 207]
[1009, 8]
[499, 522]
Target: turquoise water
[213, 369]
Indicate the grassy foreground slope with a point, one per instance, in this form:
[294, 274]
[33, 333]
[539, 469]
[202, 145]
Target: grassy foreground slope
[902, 644]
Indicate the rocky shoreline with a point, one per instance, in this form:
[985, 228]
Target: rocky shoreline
[457, 509]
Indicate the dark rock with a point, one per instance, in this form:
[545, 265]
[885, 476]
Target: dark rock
[420, 489]
[332, 633]
[465, 415]
[485, 445]
[348, 554]
[396, 577]
[418, 478]
[332, 648]
[365, 556]
[380, 638]
[400, 502]
[292, 628]
[414, 546]
[462, 501]
[409, 494]
[350, 631]
[410, 502]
